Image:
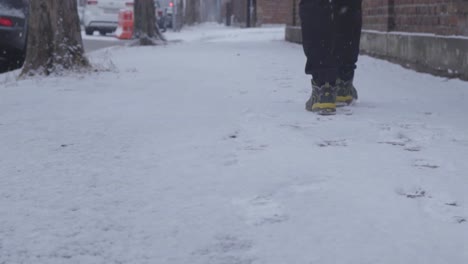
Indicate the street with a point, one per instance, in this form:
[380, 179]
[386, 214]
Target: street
[92, 43]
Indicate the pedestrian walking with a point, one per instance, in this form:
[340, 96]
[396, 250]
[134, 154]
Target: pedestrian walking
[331, 31]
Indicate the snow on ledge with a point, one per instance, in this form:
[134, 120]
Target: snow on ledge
[417, 34]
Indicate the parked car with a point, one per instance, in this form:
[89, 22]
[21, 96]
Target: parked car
[102, 15]
[164, 16]
[160, 17]
[13, 33]
[169, 11]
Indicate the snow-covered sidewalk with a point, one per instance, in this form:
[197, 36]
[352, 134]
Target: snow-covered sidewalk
[201, 152]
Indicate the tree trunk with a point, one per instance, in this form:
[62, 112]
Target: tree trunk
[193, 12]
[179, 4]
[54, 38]
[145, 28]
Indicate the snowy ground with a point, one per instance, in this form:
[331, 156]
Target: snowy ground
[201, 152]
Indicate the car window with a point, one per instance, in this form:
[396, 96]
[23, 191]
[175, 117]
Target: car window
[13, 7]
[13, 4]
[113, 3]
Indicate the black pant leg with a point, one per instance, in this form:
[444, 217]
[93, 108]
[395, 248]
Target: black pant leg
[318, 39]
[348, 17]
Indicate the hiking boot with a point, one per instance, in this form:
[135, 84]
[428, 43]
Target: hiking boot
[346, 93]
[322, 100]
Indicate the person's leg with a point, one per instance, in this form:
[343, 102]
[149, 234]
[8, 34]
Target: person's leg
[348, 21]
[317, 40]
[318, 43]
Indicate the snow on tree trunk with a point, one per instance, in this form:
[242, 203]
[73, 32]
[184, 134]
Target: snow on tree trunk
[145, 27]
[54, 38]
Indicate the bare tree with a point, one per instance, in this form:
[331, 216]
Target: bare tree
[179, 15]
[192, 14]
[145, 27]
[54, 38]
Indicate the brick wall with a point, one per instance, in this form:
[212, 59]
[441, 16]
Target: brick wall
[268, 11]
[294, 11]
[274, 11]
[377, 14]
[443, 17]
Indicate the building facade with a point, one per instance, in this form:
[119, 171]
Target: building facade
[252, 13]
[441, 17]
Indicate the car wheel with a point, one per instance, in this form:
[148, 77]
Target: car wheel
[89, 31]
[102, 32]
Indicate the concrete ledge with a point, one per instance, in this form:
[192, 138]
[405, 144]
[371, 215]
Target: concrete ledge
[293, 34]
[438, 55]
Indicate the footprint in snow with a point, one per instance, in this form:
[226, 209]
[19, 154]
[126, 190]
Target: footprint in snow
[333, 143]
[345, 111]
[413, 148]
[410, 136]
[254, 148]
[400, 140]
[294, 126]
[261, 210]
[443, 209]
[412, 194]
[424, 164]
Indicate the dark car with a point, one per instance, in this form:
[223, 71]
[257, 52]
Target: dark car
[164, 16]
[160, 18]
[13, 33]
